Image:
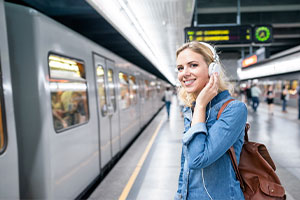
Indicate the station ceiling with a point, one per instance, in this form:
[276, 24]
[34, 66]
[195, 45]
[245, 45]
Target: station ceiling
[84, 19]
[284, 16]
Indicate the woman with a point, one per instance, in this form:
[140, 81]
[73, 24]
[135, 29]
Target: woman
[206, 169]
[168, 100]
[284, 97]
[270, 99]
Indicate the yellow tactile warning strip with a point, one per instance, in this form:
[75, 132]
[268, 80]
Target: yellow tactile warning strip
[137, 169]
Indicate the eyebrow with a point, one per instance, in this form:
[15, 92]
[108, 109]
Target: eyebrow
[189, 62]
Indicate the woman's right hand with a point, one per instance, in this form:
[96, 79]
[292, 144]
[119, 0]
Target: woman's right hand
[204, 97]
[209, 91]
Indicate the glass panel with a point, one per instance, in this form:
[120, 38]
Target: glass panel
[101, 90]
[158, 87]
[124, 91]
[147, 89]
[111, 88]
[294, 85]
[133, 89]
[68, 92]
[153, 88]
[2, 144]
[141, 89]
[3, 132]
[65, 68]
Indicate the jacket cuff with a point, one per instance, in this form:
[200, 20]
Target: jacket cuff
[178, 196]
[194, 130]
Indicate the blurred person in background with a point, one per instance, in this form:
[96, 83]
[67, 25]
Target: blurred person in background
[181, 106]
[168, 100]
[248, 94]
[255, 92]
[284, 97]
[270, 98]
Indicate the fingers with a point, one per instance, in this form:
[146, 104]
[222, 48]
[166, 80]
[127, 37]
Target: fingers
[214, 84]
[216, 80]
[211, 81]
[209, 91]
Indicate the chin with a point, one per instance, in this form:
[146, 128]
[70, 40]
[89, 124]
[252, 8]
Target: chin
[190, 90]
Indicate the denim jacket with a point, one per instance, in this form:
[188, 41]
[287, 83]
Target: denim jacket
[206, 169]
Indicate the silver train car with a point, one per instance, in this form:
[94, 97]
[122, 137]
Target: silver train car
[68, 106]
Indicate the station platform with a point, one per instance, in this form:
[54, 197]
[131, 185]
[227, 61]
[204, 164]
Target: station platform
[149, 169]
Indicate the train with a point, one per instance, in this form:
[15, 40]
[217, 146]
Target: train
[69, 107]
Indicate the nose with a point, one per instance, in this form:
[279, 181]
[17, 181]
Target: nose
[186, 71]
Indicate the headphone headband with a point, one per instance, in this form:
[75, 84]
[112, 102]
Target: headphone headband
[212, 49]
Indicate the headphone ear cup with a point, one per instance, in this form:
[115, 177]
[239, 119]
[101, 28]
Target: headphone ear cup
[213, 67]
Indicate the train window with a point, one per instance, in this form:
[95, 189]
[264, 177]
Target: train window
[278, 86]
[111, 88]
[124, 91]
[294, 85]
[68, 88]
[153, 88]
[147, 89]
[101, 90]
[158, 87]
[141, 89]
[133, 89]
[2, 124]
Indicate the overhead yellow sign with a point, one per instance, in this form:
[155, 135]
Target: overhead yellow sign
[239, 34]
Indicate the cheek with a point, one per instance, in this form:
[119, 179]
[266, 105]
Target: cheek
[179, 76]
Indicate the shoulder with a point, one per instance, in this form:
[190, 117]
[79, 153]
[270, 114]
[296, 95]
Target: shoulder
[235, 113]
[237, 108]
[237, 104]
[234, 108]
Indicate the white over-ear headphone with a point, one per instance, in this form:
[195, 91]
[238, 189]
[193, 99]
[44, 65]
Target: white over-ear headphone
[215, 65]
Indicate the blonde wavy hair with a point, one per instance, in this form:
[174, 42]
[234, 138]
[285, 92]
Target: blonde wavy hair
[224, 84]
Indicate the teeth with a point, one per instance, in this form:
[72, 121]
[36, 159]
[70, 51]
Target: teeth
[188, 82]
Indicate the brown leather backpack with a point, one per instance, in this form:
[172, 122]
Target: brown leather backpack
[256, 169]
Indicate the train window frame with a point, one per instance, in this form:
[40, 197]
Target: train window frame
[120, 90]
[3, 121]
[103, 111]
[86, 105]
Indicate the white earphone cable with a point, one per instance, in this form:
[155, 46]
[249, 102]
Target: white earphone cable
[204, 185]
[208, 112]
[203, 181]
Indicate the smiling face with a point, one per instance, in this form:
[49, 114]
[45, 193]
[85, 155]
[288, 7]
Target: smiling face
[192, 71]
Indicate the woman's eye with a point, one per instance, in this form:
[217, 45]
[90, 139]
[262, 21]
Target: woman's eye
[179, 68]
[194, 65]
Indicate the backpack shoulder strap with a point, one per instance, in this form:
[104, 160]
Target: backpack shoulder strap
[235, 167]
[223, 107]
[231, 150]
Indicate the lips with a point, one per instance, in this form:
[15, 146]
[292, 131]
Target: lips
[189, 82]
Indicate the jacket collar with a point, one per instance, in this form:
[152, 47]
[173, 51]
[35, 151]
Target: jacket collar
[187, 111]
[221, 96]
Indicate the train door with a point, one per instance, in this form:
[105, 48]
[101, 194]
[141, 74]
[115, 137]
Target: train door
[113, 111]
[141, 102]
[9, 181]
[106, 110]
